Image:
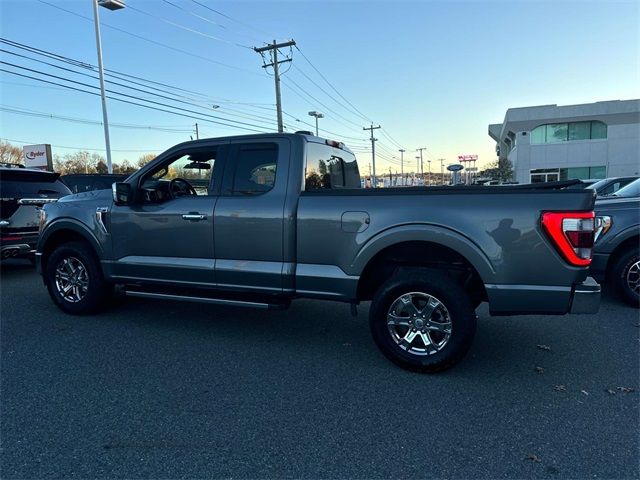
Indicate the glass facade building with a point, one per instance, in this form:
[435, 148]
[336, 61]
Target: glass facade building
[587, 141]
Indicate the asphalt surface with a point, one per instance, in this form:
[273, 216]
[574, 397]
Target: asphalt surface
[176, 390]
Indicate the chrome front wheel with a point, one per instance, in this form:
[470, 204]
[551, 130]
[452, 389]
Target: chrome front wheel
[71, 279]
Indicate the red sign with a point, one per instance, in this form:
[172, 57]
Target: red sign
[467, 158]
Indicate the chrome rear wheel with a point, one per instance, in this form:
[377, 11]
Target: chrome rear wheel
[419, 323]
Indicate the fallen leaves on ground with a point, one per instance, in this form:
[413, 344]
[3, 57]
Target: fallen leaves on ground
[560, 388]
[584, 391]
[533, 458]
[539, 370]
[546, 348]
[625, 389]
[610, 391]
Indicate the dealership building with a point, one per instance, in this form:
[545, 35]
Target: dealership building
[587, 141]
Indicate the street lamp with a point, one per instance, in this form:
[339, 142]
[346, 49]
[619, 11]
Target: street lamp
[317, 115]
[110, 5]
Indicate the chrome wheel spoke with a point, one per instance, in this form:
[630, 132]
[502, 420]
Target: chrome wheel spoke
[408, 339]
[395, 320]
[429, 308]
[439, 327]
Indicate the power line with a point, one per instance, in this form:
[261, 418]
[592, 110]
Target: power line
[86, 121]
[140, 37]
[24, 142]
[120, 75]
[262, 32]
[324, 91]
[130, 102]
[364, 117]
[180, 100]
[187, 29]
[132, 96]
[319, 102]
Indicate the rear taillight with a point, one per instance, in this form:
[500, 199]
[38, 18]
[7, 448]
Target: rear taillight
[572, 233]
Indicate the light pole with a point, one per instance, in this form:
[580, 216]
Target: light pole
[429, 162]
[317, 115]
[111, 5]
[402, 150]
[442, 170]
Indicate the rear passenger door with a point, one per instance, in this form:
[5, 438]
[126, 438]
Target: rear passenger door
[248, 218]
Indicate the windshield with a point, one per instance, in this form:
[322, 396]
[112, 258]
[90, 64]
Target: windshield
[598, 184]
[631, 190]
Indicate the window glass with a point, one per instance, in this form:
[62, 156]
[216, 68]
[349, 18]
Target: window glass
[579, 131]
[598, 130]
[196, 168]
[598, 172]
[538, 178]
[556, 132]
[255, 169]
[631, 190]
[538, 134]
[580, 173]
[328, 167]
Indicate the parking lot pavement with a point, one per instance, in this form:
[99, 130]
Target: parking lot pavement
[162, 389]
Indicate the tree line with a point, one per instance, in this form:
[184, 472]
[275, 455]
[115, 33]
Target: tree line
[76, 162]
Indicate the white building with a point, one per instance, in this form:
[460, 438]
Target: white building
[588, 141]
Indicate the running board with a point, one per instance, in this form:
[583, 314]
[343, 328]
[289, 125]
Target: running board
[214, 301]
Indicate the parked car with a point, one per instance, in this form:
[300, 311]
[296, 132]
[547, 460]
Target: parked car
[23, 192]
[283, 217]
[81, 182]
[616, 255]
[608, 186]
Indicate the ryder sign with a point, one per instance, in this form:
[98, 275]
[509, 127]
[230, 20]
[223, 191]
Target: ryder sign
[38, 156]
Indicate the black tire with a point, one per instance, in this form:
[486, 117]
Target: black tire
[451, 295]
[621, 274]
[97, 291]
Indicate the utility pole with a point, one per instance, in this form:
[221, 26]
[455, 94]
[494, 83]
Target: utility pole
[275, 63]
[197, 132]
[402, 150]
[442, 170]
[429, 162]
[373, 151]
[421, 163]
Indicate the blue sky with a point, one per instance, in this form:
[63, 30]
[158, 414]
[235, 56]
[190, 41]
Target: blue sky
[433, 74]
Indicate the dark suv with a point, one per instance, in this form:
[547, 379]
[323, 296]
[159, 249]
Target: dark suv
[616, 255]
[23, 192]
[81, 182]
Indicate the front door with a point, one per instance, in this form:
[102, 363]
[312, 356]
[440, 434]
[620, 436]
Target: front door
[167, 235]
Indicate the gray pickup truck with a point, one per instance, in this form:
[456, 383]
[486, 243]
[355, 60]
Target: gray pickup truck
[261, 220]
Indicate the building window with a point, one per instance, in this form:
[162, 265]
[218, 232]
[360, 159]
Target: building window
[563, 132]
[541, 175]
[583, 173]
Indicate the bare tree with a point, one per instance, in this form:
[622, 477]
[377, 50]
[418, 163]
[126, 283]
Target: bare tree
[144, 159]
[10, 153]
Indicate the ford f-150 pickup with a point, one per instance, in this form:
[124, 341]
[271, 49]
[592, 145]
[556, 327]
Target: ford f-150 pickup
[261, 220]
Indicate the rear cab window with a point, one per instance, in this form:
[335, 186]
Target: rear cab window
[330, 168]
[255, 169]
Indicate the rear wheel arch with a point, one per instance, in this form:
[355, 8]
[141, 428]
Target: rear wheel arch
[424, 255]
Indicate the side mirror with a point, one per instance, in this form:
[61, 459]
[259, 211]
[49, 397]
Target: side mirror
[122, 193]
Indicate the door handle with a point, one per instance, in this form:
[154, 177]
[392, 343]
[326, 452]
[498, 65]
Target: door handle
[194, 217]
